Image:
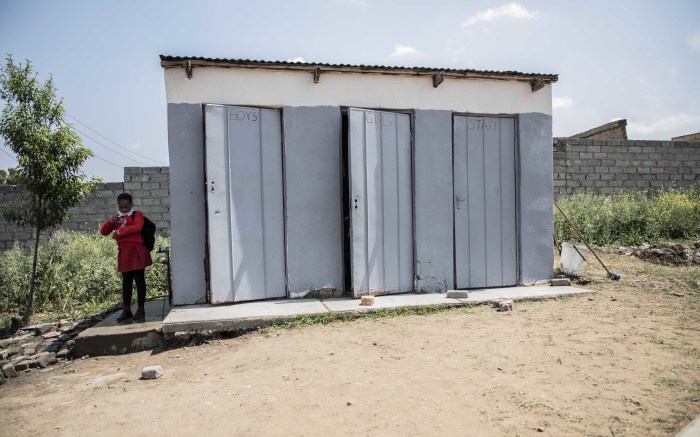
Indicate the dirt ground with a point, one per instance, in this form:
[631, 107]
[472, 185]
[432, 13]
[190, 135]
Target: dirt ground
[622, 362]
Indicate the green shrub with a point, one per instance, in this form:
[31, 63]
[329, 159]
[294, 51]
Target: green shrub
[76, 274]
[630, 218]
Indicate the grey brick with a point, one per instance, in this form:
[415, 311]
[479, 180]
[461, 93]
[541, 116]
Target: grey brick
[130, 186]
[160, 177]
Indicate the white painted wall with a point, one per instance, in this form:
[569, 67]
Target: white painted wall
[296, 88]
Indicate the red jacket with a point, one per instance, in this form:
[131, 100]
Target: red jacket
[127, 229]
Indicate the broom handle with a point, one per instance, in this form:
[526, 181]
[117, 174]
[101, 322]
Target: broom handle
[581, 236]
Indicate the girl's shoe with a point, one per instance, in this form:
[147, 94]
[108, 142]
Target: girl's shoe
[140, 316]
[126, 316]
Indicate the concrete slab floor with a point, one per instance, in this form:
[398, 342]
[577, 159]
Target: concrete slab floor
[244, 315]
[251, 315]
[691, 430]
[111, 338]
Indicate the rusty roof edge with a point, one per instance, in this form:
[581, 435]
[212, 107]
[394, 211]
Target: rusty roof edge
[181, 62]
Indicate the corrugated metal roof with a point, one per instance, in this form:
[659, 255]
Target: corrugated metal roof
[181, 61]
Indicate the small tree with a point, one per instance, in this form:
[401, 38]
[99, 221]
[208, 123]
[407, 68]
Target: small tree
[49, 152]
[9, 176]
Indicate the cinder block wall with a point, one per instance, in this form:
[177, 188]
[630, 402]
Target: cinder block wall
[608, 166]
[148, 185]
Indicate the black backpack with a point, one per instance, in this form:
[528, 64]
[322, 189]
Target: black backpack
[148, 232]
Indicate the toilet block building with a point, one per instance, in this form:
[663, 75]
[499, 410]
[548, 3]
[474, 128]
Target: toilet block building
[307, 179]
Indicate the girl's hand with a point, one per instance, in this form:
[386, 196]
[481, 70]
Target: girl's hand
[115, 218]
[114, 235]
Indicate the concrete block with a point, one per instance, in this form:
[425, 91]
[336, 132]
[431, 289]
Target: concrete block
[130, 186]
[160, 177]
[560, 282]
[458, 294]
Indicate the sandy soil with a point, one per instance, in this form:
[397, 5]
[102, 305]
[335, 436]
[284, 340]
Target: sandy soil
[625, 361]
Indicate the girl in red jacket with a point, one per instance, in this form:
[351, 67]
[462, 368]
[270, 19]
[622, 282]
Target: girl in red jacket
[133, 256]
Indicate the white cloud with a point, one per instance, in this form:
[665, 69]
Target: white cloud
[664, 128]
[297, 59]
[513, 10]
[695, 40]
[562, 102]
[400, 51]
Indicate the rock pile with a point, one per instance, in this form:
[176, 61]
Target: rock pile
[668, 254]
[41, 345]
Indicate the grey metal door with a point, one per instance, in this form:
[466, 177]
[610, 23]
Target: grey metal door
[380, 201]
[484, 190]
[244, 203]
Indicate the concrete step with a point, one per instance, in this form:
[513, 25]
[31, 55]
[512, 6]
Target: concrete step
[252, 315]
[110, 338]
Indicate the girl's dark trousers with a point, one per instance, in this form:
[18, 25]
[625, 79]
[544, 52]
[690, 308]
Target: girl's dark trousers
[128, 279]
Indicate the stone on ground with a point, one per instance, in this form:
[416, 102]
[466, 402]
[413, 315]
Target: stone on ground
[43, 329]
[561, 282]
[151, 372]
[45, 359]
[23, 365]
[457, 294]
[505, 305]
[9, 371]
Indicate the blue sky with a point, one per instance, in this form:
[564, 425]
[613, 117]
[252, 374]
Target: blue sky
[631, 59]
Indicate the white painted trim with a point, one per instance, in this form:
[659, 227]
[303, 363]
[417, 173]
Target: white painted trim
[295, 88]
